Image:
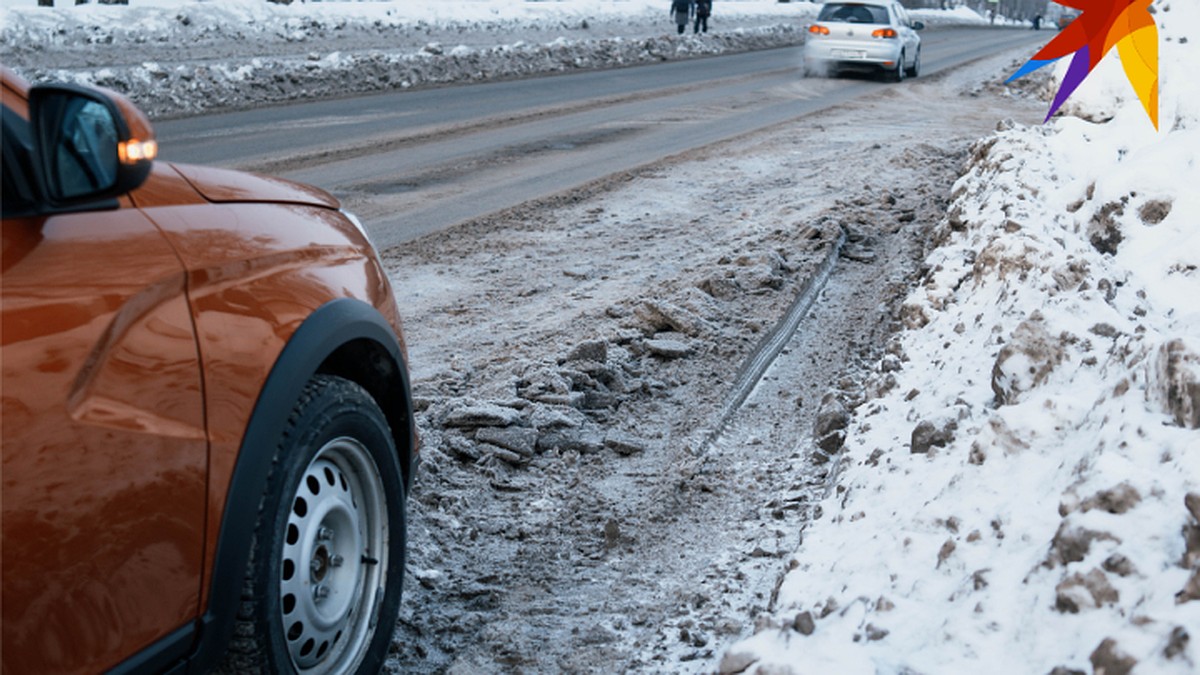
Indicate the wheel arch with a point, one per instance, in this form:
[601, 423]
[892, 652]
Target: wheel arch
[382, 373]
[344, 337]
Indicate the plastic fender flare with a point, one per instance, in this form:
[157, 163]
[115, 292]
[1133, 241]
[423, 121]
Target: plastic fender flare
[329, 327]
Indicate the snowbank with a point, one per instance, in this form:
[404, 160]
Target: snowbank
[959, 15]
[193, 88]
[395, 12]
[177, 58]
[1026, 494]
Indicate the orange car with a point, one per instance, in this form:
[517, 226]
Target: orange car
[207, 425]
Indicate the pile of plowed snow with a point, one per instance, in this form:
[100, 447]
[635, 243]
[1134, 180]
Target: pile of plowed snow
[1026, 495]
[178, 58]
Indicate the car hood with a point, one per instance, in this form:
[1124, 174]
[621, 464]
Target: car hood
[225, 185]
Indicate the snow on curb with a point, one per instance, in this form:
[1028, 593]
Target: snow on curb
[964, 16]
[183, 58]
[198, 87]
[187, 58]
[1026, 495]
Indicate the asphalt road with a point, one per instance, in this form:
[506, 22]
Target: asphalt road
[411, 163]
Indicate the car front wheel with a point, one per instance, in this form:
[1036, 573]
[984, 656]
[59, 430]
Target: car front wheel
[322, 589]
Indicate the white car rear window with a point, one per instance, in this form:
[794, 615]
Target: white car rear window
[851, 12]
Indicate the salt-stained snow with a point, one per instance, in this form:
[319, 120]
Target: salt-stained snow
[407, 11]
[1016, 502]
[179, 58]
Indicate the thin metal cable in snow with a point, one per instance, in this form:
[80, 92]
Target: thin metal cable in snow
[768, 350]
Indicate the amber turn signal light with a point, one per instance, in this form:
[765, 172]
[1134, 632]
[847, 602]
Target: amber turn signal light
[816, 29]
[884, 33]
[134, 151]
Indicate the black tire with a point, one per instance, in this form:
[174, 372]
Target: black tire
[915, 70]
[335, 493]
[897, 75]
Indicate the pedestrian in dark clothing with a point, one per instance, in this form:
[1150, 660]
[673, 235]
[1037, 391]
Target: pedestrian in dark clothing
[682, 11]
[1037, 22]
[703, 11]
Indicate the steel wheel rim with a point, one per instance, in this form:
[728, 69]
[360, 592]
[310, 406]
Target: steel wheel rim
[334, 559]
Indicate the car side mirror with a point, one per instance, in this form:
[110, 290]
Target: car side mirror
[918, 25]
[88, 145]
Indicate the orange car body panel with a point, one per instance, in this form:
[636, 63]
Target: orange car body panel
[250, 290]
[129, 378]
[223, 185]
[104, 464]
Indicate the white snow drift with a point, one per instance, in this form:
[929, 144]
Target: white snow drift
[1027, 495]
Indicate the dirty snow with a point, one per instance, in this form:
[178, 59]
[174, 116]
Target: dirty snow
[179, 58]
[619, 522]
[1026, 498]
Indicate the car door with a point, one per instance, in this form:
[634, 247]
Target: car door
[104, 444]
[907, 34]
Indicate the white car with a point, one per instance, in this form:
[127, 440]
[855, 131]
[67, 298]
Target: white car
[877, 35]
